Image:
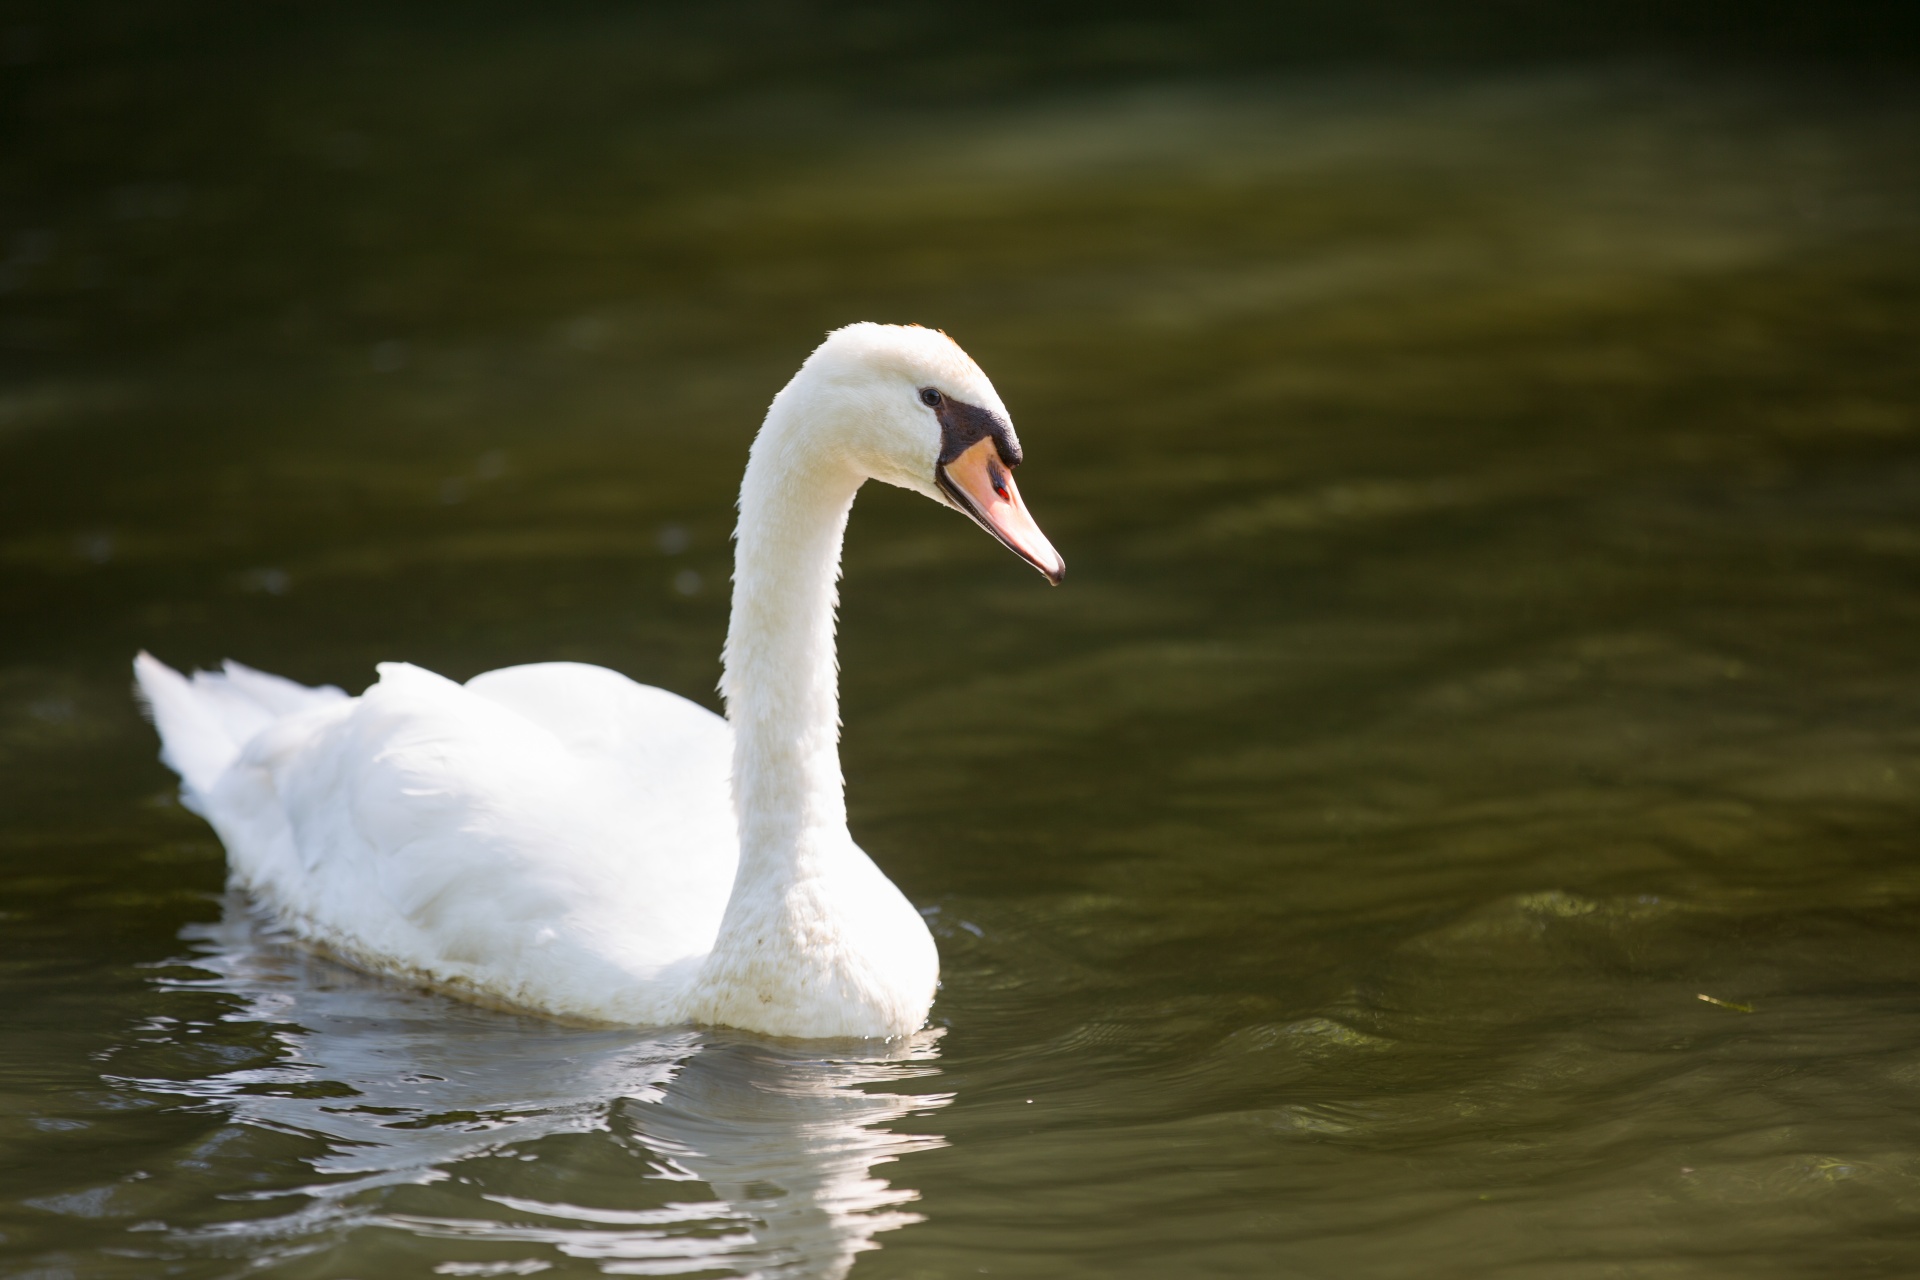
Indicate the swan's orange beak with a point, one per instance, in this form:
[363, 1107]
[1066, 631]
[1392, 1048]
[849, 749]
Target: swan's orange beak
[982, 486]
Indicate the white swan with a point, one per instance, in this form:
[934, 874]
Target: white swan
[560, 839]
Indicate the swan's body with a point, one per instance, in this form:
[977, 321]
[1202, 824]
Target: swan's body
[559, 838]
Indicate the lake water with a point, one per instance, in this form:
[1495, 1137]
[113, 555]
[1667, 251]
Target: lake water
[1457, 819]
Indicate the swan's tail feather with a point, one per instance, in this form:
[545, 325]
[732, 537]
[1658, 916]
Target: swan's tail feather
[205, 721]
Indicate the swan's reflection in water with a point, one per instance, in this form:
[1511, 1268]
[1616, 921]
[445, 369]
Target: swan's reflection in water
[409, 1089]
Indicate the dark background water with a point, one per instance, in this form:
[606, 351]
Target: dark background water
[1457, 819]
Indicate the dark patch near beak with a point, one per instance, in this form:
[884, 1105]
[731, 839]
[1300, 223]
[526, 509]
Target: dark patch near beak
[964, 425]
[977, 480]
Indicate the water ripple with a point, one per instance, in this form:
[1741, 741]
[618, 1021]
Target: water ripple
[408, 1101]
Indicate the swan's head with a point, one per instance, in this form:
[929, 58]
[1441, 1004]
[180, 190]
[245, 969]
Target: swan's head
[907, 406]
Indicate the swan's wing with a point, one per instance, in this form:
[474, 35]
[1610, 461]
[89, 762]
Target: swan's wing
[557, 836]
[602, 714]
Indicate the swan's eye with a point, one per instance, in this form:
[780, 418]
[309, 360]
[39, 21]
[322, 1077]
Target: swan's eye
[929, 397]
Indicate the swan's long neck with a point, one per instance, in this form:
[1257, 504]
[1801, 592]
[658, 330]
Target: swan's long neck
[782, 680]
[814, 941]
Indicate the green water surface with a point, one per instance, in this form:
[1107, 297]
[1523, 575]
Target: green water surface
[1458, 819]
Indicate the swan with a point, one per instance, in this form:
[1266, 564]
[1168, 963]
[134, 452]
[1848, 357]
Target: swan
[559, 839]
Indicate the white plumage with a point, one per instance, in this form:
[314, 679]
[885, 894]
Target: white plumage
[558, 838]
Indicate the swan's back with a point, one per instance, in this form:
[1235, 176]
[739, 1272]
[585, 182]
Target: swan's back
[554, 836]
